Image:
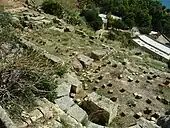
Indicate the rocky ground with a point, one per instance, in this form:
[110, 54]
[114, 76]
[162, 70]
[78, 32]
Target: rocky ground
[107, 85]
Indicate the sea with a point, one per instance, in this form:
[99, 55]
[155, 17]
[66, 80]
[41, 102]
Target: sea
[166, 3]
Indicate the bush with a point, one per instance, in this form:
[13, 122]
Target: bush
[145, 30]
[53, 7]
[6, 29]
[92, 18]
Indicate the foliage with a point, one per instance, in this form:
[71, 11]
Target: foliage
[6, 29]
[92, 18]
[52, 7]
[55, 8]
[145, 14]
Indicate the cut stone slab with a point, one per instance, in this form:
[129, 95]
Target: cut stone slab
[77, 65]
[53, 58]
[5, 120]
[85, 60]
[98, 54]
[144, 123]
[78, 113]
[63, 89]
[93, 125]
[72, 80]
[64, 103]
[35, 115]
[53, 28]
[105, 104]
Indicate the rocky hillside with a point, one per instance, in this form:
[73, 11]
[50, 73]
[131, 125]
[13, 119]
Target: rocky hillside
[56, 75]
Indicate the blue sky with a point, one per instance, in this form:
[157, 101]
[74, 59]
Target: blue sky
[166, 3]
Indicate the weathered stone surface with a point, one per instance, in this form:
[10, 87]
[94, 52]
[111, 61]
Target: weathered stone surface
[135, 126]
[53, 28]
[69, 29]
[82, 33]
[36, 114]
[143, 123]
[53, 58]
[77, 65]
[4, 118]
[98, 54]
[72, 79]
[37, 18]
[164, 121]
[137, 96]
[63, 89]
[85, 60]
[64, 103]
[78, 113]
[138, 115]
[105, 104]
[60, 116]
[46, 111]
[93, 125]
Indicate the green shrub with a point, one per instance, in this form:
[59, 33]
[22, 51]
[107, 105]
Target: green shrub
[53, 7]
[92, 18]
[145, 30]
[6, 29]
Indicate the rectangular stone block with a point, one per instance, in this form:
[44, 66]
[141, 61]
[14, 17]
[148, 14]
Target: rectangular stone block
[64, 103]
[78, 113]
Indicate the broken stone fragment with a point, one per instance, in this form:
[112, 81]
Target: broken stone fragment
[166, 82]
[72, 95]
[148, 111]
[138, 115]
[137, 96]
[97, 81]
[109, 84]
[130, 79]
[77, 65]
[114, 99]
[122, 90]
[156, 115]
[120, 76]
[137, 81]
[165, 101]
[35, 115]
[100, 77]
[153, 119]
[95, 88]
[85, 60]
[104, 86]
[98, 54]
[69, 29]
[131, 103]
[110, 91]
[158, 97]
[85, 86]
[148, 101]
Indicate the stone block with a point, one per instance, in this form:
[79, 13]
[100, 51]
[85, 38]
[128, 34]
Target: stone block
[98, 54]
[64, 103]
[93, 125]
[35, 115]
[63, 89]
[104, 103]
[85, 60]
[78, 113]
